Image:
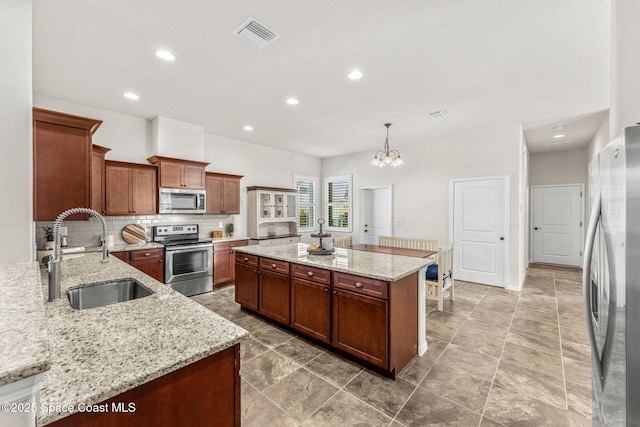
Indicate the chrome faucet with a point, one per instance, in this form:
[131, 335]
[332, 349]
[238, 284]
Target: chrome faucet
[54, 260]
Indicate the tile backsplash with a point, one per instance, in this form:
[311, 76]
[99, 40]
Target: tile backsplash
[87, 233]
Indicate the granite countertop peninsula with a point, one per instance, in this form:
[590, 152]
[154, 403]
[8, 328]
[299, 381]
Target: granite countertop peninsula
[101, 352]
[368, 264]
[23, 331]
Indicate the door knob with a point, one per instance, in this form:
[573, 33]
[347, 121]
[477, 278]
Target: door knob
[536, 228]
[501, 238]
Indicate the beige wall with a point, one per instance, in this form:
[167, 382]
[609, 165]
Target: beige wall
[558, 167]
[16, 188]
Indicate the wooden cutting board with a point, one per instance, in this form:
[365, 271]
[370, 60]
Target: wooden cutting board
[134, 233]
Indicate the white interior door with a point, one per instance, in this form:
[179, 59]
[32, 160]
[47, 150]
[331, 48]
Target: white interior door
[375, 204]
[557, 224]
[479, 230]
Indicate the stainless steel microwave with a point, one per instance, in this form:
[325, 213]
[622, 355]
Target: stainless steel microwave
[182, 201]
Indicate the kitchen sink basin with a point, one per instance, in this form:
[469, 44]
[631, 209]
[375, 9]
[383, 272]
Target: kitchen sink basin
[109, 292]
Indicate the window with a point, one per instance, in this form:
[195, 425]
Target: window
[338, 202]
[307, 187]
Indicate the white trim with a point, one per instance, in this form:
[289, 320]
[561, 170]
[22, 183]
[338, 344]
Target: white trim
[583, 200]
[507, 221]
[346, 177]
[316, 180]
[389, 206]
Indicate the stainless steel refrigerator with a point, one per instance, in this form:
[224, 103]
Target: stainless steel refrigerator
[611, 281]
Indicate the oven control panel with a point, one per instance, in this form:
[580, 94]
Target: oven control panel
[175, 230]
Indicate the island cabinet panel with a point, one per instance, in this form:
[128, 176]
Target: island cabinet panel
[374, 321]
[273, 301]
[204, 393]
[360, 326]
[224, 262]
[311, 308]
[247, 281]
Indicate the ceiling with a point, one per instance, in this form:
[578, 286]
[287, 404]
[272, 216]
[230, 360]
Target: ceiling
[487, 63]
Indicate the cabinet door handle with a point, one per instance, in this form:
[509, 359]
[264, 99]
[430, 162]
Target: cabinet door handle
[335, 292]
[310, 273]
[358, 285]
[326, 290]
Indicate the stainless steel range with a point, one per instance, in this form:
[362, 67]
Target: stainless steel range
[188, 261]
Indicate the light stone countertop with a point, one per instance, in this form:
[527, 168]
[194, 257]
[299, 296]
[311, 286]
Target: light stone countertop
[24, 341]
[225, 239]
[134, 247]
[368, 264]
[101, 352]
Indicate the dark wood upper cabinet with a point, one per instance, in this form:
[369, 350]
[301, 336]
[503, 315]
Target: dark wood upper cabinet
[223, 193]
[178, 173]
[131, 189]
[62, 158]
[98, 178]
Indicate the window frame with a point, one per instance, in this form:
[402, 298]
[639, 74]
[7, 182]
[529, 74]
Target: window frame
[313, 179]
[338, 178]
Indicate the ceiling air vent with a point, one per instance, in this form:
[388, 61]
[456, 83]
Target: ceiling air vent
[438, 114]
[256, 33]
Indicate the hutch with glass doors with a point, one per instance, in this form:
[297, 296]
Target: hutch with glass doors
[272, 215]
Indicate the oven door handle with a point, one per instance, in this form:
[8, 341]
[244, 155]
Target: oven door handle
[189, 248]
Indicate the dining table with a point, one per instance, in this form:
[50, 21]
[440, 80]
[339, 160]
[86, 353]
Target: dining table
[418, 253]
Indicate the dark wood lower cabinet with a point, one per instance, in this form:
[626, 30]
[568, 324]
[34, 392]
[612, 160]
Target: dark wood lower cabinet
[311, 309]
[205, 393]
[360, 326]
[247, 285]
[273, 301]
[150, 261]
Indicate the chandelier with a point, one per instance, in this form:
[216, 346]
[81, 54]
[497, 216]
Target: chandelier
[387, 157]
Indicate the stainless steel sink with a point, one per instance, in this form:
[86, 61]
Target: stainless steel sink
[99, 294]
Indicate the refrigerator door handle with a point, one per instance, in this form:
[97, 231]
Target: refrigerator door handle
[586, 279]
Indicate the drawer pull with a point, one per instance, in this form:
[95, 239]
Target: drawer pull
[245, 259]
[273, 265]
[147, 254]
[358, 285]
[310, 273]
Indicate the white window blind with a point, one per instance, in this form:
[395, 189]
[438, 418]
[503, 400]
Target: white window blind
[307, 187]
[338, 202]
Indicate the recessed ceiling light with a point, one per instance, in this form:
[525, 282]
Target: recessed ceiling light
[559, 136]
[248, 128]
[165, 54]
[131, 95]
[355, 75]
[292, 101]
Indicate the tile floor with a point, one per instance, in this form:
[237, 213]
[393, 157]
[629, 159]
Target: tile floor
[495, 358]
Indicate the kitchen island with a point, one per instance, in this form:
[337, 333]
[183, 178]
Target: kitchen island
[368, 306]
[160, 357]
